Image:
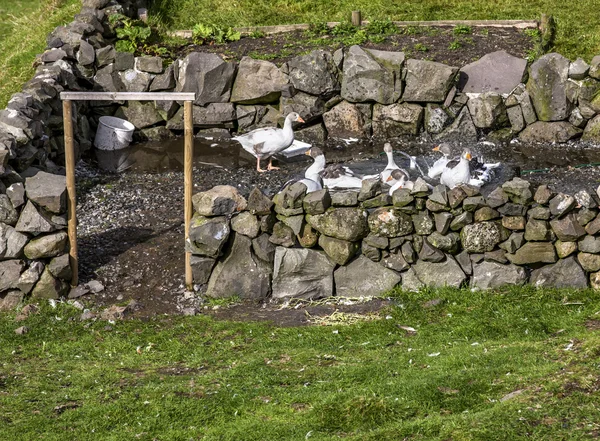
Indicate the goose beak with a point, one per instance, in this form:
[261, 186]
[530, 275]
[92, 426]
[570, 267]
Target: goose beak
[307, 153]
[436, 148]
[389, 178]
[468, 156]
[299, 119]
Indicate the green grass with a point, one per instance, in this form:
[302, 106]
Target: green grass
[24, 26]
[577, 29]
[197, 378]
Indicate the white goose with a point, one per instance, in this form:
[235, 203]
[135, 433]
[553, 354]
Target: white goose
[457, 172]
[312, 178]
[265, 142]
[391, 165]
[401, 181]
[335, 176]
[440, 164]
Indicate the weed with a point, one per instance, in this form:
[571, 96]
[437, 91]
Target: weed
[532, 33]
[455, 44]
[420, 47]
[381, 27]
[412, 30]
[317, 29]
[462, 30]
[485, 32]
[208, 34]
[130, 33]
[376, 38]
[256, 34]
[344, 29]
[259, 56]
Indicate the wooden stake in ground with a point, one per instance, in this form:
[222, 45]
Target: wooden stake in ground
[188, 185]
[72, 199]
[356, 18]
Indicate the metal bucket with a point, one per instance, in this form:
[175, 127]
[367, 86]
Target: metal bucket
[113, 133]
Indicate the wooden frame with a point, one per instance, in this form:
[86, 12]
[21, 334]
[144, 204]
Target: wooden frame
[67, 98]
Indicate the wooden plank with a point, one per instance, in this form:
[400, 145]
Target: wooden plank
[356, 18]
[188, 185]
[71, 196]
[520, 24]
[123, 96]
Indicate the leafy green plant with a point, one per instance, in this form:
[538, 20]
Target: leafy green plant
[317, 29]
[131, 34]
[412, 30]
[376, 38]
[256, 34]
[462, 30]
[345, 28]
[381, 27]
[454, 44]
[209, 34]
[421, 47]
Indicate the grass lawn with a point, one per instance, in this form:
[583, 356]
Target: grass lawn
[519, 364]
[578, 28]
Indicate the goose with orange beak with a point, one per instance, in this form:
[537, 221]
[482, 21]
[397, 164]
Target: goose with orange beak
[265, 142]
[440, 164]
[457, 172]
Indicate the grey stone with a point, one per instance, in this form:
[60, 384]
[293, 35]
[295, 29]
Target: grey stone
[430, 253]
[245, 223]
[594, 226]
[515, 118]
[208, 76]
[164, 81]
[105, 56]
[11, 300]
[315, 134]
[518, 190]
[263, 248]
[565, 249]
[585, 199]
[149, 64]
[219, 200]
[566, 273]
[32, 221]
[166, 109]
[408, 252]
[589, 244]
[423, 223]
[124, 61]
[341, 223]
[397, 120]
[364, 278]
[10, 271]
[439, 194]
[317, 202]
[445, 242]
[390, 222]
[302, 273]
[60, 267]
[567, 229]
[410, 281]
[86, 55]
[258, 203]
[282, 235]
[201, 268]
[491, 275]
[140, 114]
[485, 214]
[240, 273]
[29, 277]
[456, 196]
[435, 118]
[257, 81]
[53, 55]
[377, 241]
[462, 129]
[48, 287]
[309, 107]
[585, 216]
[488, 110]
[510, 209]
[578, 69]
[558, 132]
[420, 188]
[497, 72]
[380, 200]
[589, 262]
[539, 212]
[434, 207]
[345, 120]
[513, 243]
[427, 81]
[344, 199]
[371, 252]
[8, 214]
[50, 245]
[498, 256]
[135, 81]
[592, 130]
[543, 194]
[371, 75]
[461, 221]
[315, 73]
[11, 242]
[308, 236]
[402, 197]
[294, 222]
[245, 116]
[442, 222]
[533, 252]
[369, 188]
[537, 230]
[480, 237]
[547, 86]
[207, 236]
[440, 274]
[394, 261]
[48, 191]
[339, 251]
[107, 79]
[291, 196]
[464, 260]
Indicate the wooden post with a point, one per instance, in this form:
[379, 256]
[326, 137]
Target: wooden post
[188, 185]
[356, 18]
[72, 200]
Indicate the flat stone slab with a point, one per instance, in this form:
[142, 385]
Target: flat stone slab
[498, 72]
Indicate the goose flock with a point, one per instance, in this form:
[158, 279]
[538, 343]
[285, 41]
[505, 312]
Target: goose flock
[449, 169]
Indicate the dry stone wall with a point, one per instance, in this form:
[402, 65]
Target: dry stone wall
[354, 92]
[353, 244]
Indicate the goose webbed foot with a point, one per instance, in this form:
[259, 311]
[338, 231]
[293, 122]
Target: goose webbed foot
[271, 167]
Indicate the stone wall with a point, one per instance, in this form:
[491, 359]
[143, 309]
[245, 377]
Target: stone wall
[354, 244]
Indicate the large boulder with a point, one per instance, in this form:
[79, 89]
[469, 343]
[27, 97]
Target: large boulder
[371, 75]
[462, 129]
[32, 221]
[541, 131]
[396, 120]
[140, 114]
[315, 73]
[480, 237]
[341, 223]
[548, 89]
[240, 273]
[50, 245]
[427, 81]
[440, 274]
[497, 72]
[49, 287]
[10, 271]
[489, 275]
[207, 75]
[364, 278]
[208, 235]
[566, 273]
[257, 81]
[218, 201]
[345, 120]
[390, 222]
[488, 110]
[302, 273]
[309, 107]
